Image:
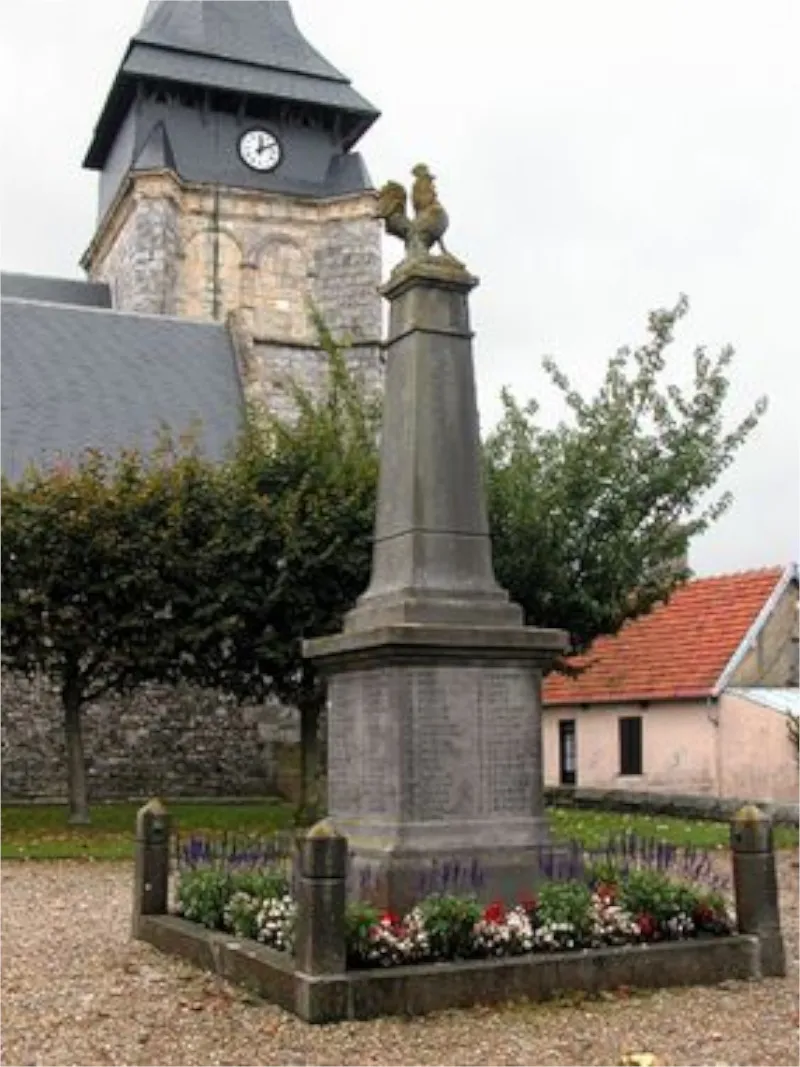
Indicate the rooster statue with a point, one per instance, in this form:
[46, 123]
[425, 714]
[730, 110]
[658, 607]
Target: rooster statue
[430, 221]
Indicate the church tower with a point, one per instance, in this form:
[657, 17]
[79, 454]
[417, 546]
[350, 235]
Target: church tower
[230, 191]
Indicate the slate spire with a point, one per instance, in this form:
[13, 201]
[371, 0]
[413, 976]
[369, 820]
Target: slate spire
[245, 31]
[249, 48]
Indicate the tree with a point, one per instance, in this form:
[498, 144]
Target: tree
[117, 572]
[319, 473]
[105, 566]
[591, 520]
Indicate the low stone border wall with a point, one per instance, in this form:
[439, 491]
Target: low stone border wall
[316, 984]
[424, 988]
[684, 806]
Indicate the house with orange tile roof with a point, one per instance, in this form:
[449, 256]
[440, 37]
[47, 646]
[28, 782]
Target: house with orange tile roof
[689, 700]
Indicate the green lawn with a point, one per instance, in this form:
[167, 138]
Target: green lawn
[41, 831]
[593, 828]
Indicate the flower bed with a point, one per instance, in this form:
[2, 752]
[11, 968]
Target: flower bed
[564, 916]
[611, 907]
[248, 903]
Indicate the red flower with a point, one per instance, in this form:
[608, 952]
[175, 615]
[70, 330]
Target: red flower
[647, 924]
[494, 912]
[528, 904]
[390, 919]
[607, 891]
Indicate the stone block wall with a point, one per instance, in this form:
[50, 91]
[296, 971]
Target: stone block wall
[278, 367]
[169, 247]
[161, 741]
[347, 273]
[137, 252]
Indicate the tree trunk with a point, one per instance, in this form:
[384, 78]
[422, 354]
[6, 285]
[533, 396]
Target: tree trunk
[76, 767]
[309, 759]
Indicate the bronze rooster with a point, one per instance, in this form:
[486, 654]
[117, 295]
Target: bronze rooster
[427, 227]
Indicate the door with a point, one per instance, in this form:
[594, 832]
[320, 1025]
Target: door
[566, 752]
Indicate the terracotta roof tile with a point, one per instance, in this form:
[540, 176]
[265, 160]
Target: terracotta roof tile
[679, 650]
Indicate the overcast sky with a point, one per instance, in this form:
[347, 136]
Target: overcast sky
[596, 158]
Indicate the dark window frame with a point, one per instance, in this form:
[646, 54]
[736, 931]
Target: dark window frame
[567, 728]
[630, 746]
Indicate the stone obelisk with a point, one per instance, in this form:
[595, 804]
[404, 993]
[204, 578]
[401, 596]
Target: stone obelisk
[434, 728]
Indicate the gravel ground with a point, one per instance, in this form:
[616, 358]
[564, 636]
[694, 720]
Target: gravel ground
[77, 990]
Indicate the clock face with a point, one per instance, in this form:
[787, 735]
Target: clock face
[260, 150]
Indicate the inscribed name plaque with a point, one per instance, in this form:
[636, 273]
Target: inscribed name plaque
[473, 742]
[510, 736]
[362, 744]
[443, 742]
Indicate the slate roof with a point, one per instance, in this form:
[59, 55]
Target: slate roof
[681, 650]
[55, 290]
[247, 46]
[75, 377]
[264, 34]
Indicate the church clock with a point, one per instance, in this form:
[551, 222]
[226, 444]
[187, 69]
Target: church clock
[260, 150]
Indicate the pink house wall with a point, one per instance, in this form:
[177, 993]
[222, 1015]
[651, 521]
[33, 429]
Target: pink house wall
[757, 759]
[678, 747]
[747, 756]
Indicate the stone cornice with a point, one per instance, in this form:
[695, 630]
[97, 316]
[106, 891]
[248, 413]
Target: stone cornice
[277, 342]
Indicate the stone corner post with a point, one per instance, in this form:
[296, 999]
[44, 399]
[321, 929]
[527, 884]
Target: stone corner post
[151, 868]
[755, 886]
[321, 896]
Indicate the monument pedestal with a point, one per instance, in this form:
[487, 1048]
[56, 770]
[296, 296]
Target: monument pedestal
[434, 733]
[434, 757]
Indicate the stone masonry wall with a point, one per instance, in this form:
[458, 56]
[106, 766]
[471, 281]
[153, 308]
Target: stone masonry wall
[278, 366]
[167, 247]
[171, 248]
[347, 274]
[161, 741]
[139, 254]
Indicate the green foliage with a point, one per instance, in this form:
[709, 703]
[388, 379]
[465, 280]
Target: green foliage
[359, 919]
[603, 872]
[591, 519]
[241, 915]
[564, 902]
[449, 922]
[262, 884]
[107, 565]
[121, 571]
[202, 896]
[205, 893]
[320, 472]
[652, 893]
